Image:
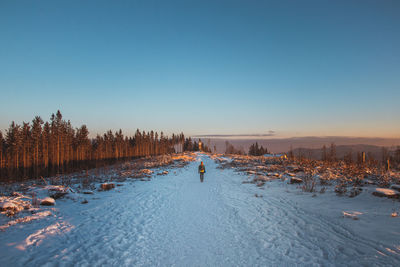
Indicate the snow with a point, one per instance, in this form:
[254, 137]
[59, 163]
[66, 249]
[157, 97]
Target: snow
[26, 219]
[39, 236]
[274, 155]
[174, 219]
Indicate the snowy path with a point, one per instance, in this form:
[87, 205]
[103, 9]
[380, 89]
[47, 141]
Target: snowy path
[175, 220]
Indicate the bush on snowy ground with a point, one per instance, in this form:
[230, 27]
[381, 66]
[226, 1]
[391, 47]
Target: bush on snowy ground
[384, 180]
[309, 183]
[13, 205]
[341, 189]
[309, 180]
[355, 191]
[10, 208]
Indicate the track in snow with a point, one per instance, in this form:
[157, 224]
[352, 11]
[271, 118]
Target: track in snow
[176, 220]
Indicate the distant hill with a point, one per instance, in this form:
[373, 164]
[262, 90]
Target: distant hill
[279, 145]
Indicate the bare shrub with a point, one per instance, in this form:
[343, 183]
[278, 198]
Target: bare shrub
[323, 190]
[341, 189]
[308, 183]
[324, 181]
[384, 179]
[355, 191]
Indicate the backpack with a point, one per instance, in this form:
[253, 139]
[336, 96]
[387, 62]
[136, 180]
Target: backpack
[202, 169]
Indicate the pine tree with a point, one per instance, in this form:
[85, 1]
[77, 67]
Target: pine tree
[13, 140]
[26, 145]
[36, 138]
[2, 152]
[56, 147]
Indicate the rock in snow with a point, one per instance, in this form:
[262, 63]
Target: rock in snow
[147, 171]
[12, 205]
[8, 205]
[351, 214]
[48, 201]
[107, 186]
[295, 180]
[58, 194]
[385, 192]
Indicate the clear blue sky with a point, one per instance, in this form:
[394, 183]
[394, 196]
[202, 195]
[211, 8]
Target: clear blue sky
[204, 67]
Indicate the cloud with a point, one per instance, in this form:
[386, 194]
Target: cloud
[270, 133]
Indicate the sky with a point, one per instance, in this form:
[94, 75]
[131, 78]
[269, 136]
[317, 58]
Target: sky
[291, 68]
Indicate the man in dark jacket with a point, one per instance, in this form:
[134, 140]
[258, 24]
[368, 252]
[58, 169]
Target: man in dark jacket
[202, 170]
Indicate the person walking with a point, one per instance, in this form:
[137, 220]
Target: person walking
[202, 170]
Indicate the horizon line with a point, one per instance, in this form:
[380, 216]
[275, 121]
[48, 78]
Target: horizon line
[220, 136]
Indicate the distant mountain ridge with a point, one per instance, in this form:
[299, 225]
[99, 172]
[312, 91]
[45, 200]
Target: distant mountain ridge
[279, 145]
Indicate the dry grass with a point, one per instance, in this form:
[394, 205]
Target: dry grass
[348, 178]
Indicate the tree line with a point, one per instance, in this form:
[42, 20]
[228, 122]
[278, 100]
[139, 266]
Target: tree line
[359, 157]
[192, 145]
[256, 150]
[43, 148]
[230, 149]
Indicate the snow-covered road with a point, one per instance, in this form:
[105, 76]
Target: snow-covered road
[175, 220]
